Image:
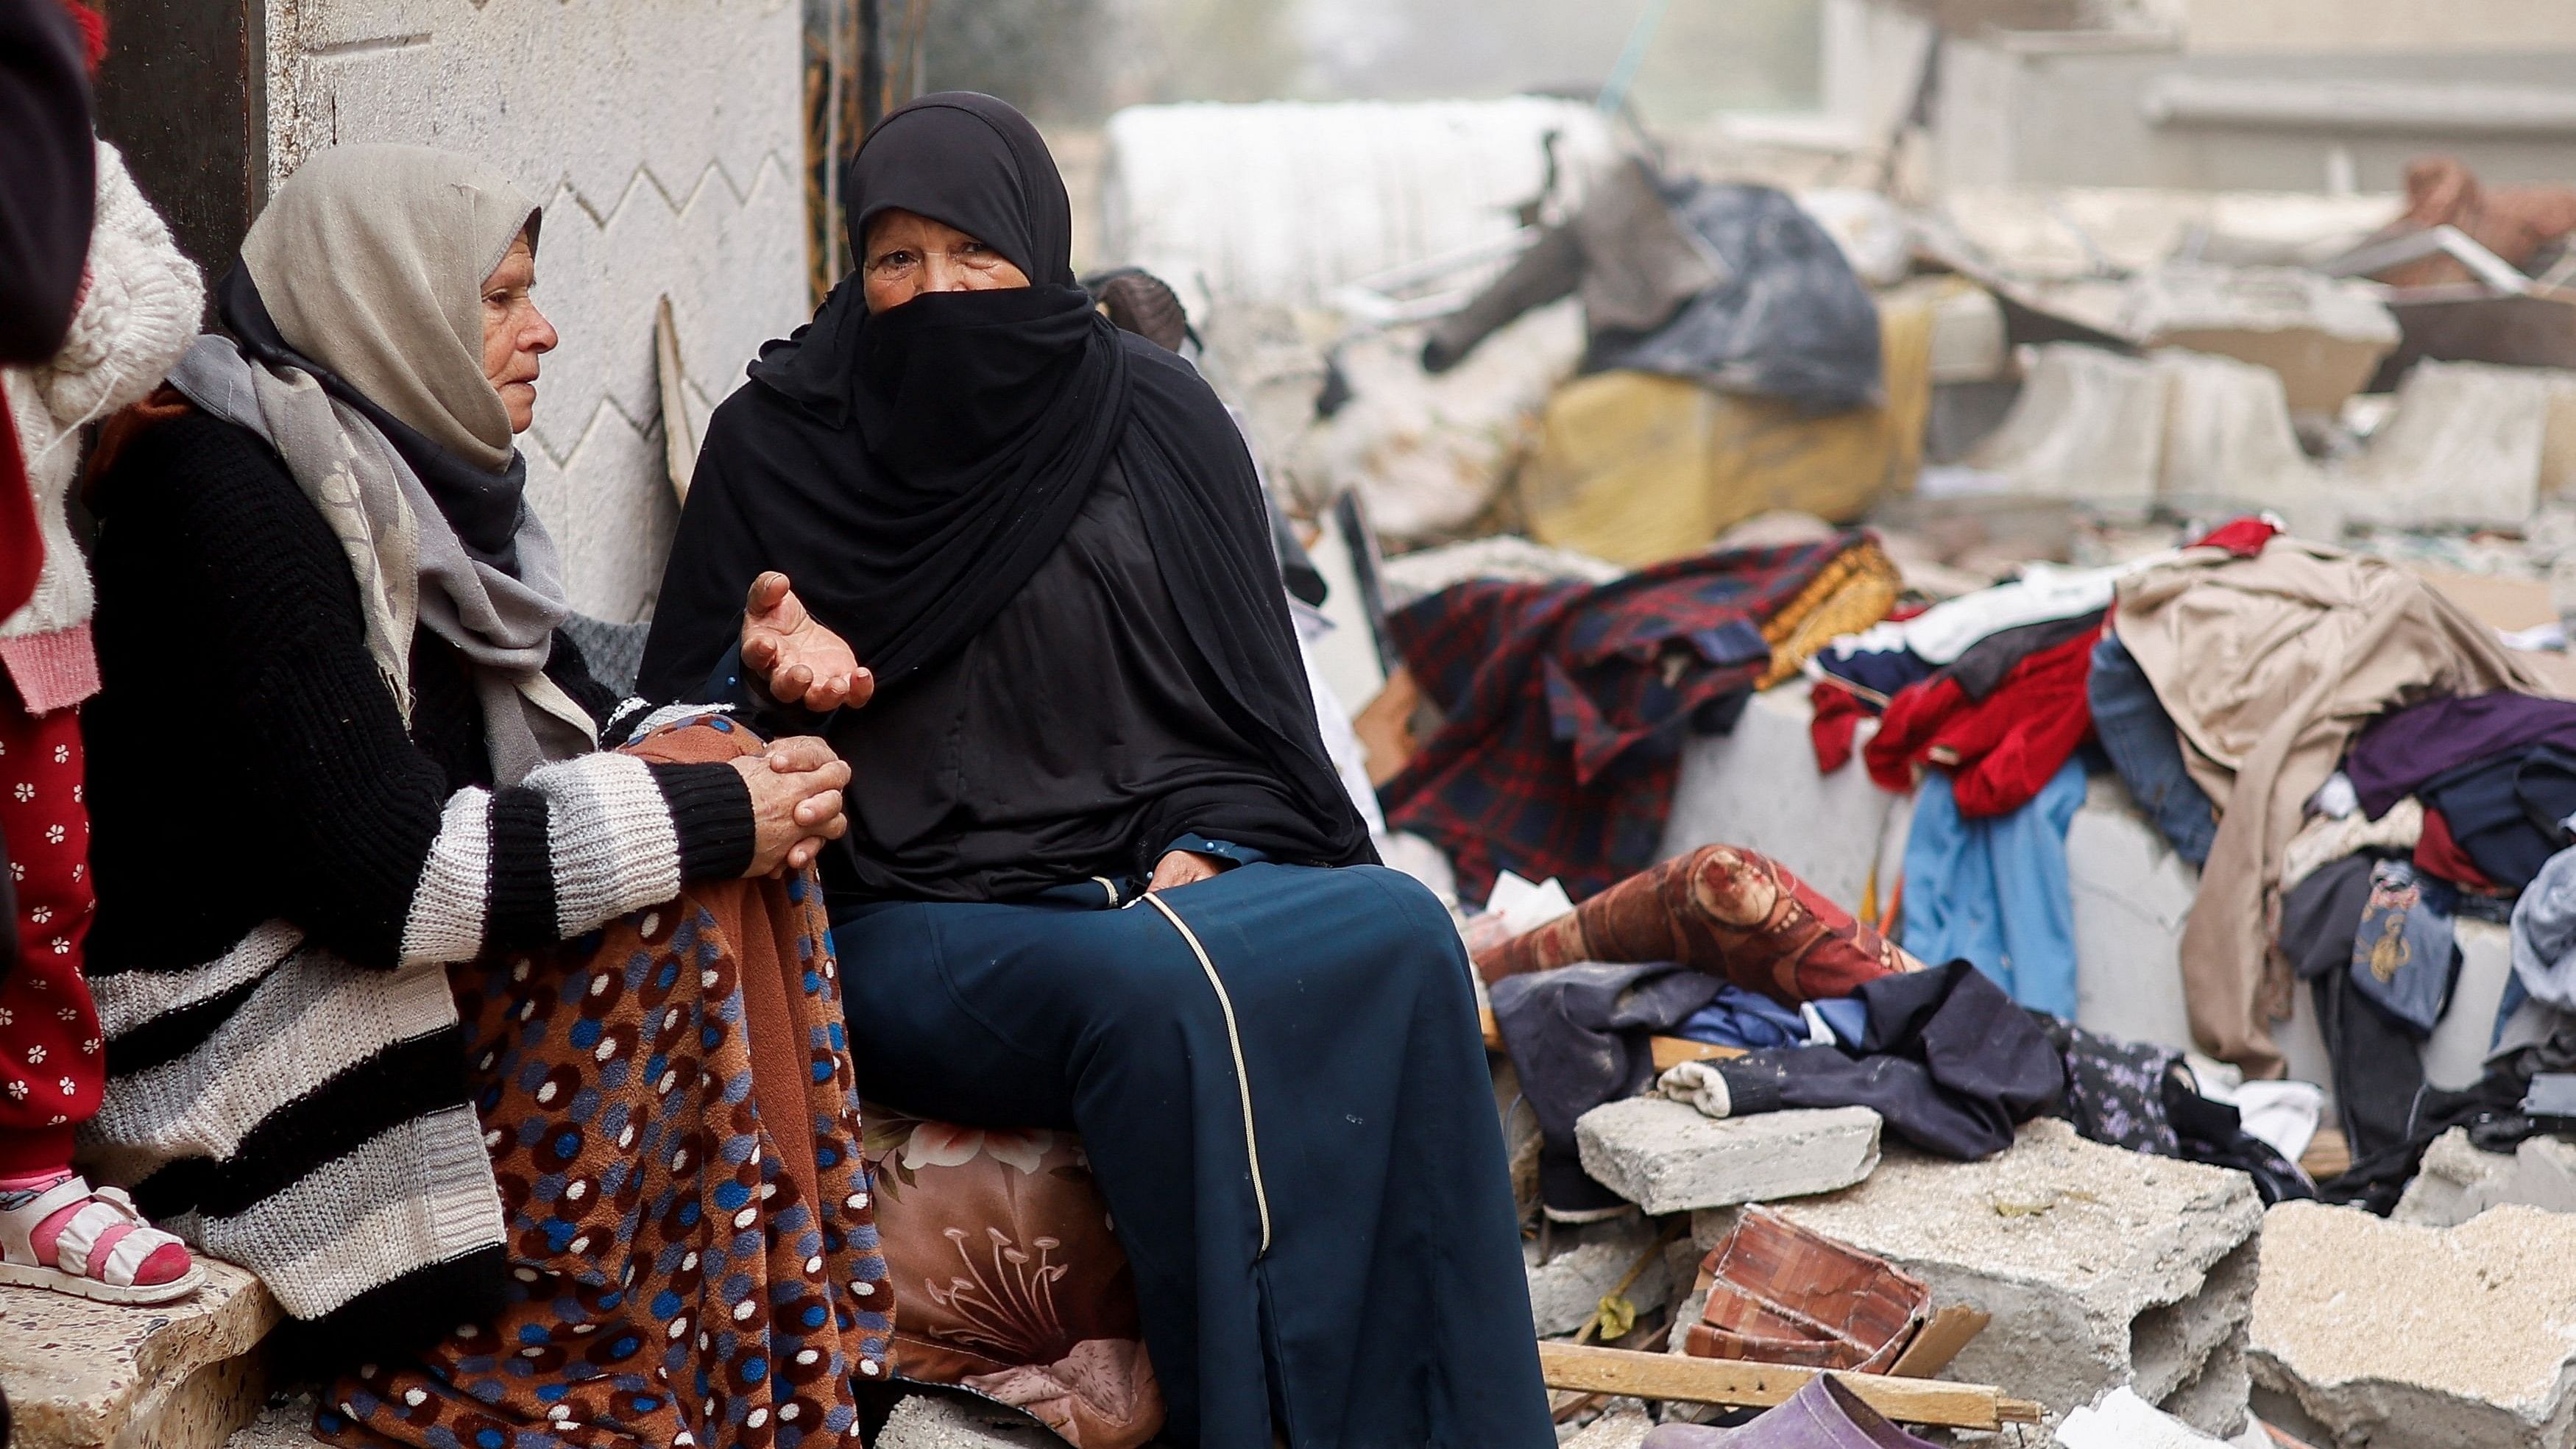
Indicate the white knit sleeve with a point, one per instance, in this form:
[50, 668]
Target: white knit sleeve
[609, 830]
[451, 906]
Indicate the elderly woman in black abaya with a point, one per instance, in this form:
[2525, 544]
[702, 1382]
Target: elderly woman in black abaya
[1100, 874]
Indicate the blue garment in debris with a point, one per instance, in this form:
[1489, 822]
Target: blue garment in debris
[1994, 891]
[1747, 1019]
[2403, 953]
[1946, 1061]
[2139, 735]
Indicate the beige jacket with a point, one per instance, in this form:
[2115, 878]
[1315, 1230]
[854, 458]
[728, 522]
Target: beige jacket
[2270, 666]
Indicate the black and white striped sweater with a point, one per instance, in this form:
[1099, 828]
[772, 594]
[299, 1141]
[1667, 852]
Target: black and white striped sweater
[284, 869]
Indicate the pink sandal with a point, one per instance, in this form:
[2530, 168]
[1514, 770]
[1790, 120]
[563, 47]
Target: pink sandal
[104, 1249]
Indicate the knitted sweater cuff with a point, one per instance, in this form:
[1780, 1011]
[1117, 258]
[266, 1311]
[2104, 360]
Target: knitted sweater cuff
[711, 811]
[52, 670]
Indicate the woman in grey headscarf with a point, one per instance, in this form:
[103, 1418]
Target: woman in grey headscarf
[416, 1001]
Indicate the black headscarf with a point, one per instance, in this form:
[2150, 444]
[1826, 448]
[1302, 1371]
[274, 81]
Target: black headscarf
[909, 471]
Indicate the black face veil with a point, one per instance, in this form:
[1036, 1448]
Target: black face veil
[910, 471]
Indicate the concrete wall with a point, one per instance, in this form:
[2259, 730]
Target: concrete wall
[2024, 111]
[662, 137]
[2407, 27]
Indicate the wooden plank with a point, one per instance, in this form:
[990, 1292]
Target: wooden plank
[1761, 1385]
[1950, 1330]
[1672, 1051]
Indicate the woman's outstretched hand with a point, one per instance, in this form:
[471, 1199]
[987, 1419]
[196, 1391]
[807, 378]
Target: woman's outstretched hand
[1183, 867]
[795, 803]
[793, 656]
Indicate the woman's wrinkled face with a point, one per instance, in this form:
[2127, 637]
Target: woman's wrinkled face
[515, 333]
[907, 254]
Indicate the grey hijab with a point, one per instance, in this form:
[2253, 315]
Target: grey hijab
[372, 260]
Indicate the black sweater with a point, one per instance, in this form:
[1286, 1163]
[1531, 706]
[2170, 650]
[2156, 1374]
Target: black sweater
[247, 764]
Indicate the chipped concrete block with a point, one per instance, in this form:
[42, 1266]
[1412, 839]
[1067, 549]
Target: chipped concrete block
[2101, 1267]
[924, 1422]
[2406, 1337]
[2462, 447]
[1667, 1158]
[2322, 337]
[2088, 425]
[2455, 1184]
[182, 1376]
[1585, 1263]
[2228, 440]
[2458, 1181]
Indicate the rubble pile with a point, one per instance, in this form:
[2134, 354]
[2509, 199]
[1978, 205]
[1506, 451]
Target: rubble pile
[1614, 593]
[2410, 1337]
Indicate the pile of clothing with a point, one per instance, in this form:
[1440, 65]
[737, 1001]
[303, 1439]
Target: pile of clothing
[1566, 705]
[1987, 700]
[2451, 807]
[1727, 946]
[2270, 668]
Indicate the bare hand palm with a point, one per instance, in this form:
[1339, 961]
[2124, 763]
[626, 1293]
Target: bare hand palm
[798, 660]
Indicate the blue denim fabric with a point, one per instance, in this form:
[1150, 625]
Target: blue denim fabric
[1740, 1018]
[2139, 736]
[2403, 954]
[1995, 891]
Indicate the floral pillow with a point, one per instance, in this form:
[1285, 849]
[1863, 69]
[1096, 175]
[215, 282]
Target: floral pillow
[1010, 1280]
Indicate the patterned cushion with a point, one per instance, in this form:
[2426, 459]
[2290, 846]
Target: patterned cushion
[1011, 1282]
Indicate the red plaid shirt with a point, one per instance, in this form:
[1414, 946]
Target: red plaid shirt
[1568, 704]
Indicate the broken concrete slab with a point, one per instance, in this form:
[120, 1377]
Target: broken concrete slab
[1585, 1264]
[2406, 1337]
[2458, 1181]
[2088, 425]
[1667, 1158]
[927, 1422]
[2462, 447]
[2101, 1267]
[2322, 337]
[181, 1376]
[2228, 441]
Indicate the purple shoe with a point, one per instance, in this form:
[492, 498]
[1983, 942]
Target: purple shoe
[1823, 1415]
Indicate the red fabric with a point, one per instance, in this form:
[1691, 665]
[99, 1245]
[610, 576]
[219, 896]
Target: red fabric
[2243, 537]
[1723, 910]
[1837, 718]
[93, 29]
[1999, 750]
[2439, 853]
[22, 550]
[52, 1067]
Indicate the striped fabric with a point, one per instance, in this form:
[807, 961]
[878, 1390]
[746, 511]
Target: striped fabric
[307, 1117]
